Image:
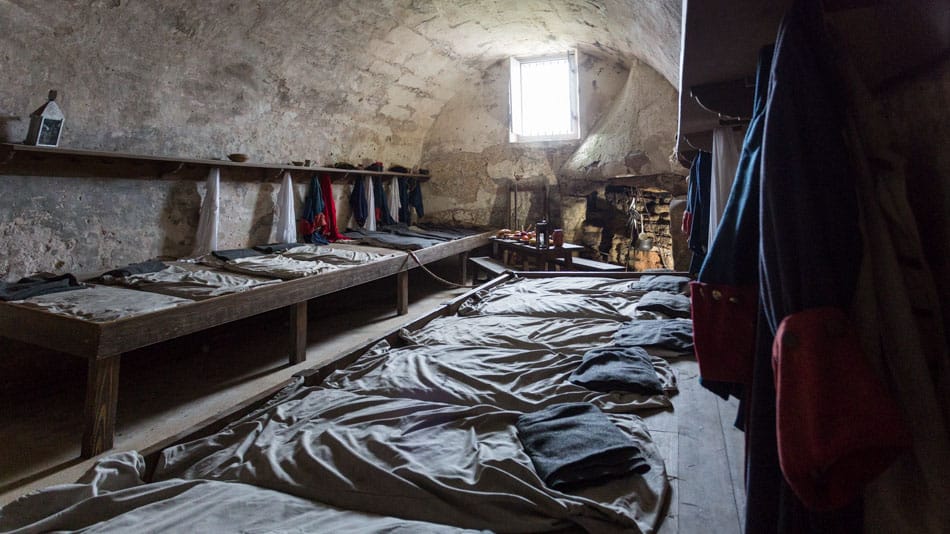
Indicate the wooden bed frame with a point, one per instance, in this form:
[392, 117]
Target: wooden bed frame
[102, 343]
[315, 375]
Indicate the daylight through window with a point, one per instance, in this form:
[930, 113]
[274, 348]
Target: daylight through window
[544, 98]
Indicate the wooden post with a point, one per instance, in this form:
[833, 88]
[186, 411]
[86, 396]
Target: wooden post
[402, 292]
[463, 267]
[298, 333]
[102, 396]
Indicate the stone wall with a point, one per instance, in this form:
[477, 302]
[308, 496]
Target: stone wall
[640, 211]
[410, 83]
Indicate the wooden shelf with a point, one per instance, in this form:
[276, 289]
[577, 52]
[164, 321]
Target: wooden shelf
[676, 184]
[16, 159]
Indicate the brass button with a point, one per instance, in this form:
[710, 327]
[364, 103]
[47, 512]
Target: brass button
[716, 294]
[734, 300]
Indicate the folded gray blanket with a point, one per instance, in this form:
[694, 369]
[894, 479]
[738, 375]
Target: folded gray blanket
[672, 334]
[664, 282]
[613, 368]
[235, 254]
[38, 284]
[150, 266]
[273, 248]
[574, 444]
[673, 305]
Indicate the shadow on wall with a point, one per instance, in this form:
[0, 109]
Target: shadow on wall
[180, 219]
[12, 129]
[264, 215]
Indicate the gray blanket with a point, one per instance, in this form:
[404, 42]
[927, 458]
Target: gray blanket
[673, 336]
[112, 497]
[613, 368]
[512, 379]
[418, 460]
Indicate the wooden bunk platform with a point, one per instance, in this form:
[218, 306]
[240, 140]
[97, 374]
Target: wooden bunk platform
[103, 343]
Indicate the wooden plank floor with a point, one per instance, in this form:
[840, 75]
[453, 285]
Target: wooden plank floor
[212, 370]
[701, 448]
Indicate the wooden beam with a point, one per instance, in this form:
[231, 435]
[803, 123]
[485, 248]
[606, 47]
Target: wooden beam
[402, 292]
[298, 332]
[102, 396]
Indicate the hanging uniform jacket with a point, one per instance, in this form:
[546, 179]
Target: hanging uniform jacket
[313, 220]
[358, 200]
[697, 206]
[818, 410]
[724, 299]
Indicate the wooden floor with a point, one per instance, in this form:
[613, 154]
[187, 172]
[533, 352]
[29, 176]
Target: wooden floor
[169, 387]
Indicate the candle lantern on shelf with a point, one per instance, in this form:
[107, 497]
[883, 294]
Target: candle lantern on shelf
[46, 124]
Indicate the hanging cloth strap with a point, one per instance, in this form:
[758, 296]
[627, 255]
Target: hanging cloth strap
[331, 231]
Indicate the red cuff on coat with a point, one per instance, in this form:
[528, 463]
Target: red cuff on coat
[837, 426]
[724, 320]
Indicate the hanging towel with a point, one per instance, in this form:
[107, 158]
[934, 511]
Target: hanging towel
[371, 205]
[286, 229]
[725, 160]
[206, 239]
[329, 205]
[392, 195]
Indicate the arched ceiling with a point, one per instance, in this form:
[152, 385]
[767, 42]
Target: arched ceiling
[174, 75]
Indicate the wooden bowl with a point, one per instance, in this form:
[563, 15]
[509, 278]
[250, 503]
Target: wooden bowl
[238, 157]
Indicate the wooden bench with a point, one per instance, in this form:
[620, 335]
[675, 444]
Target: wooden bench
[584, 264]
[488, 265]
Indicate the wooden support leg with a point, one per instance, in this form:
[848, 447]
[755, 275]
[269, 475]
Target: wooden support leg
[402, 292]
[102, 395]
[298, 333]
[463, 267]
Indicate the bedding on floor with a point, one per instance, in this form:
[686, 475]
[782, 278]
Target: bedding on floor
[512, 379]
[418, 460]
[569, 336]
[602, 305]
[667, 337]
[113, 498]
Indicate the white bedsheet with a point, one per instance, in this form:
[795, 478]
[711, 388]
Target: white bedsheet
[417, 460]
[103, 303]
[112, 497]
[511, 379]
[191, 281]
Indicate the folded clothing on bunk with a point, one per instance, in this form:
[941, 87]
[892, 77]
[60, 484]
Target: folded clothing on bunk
[664, 282]
[675, 335]
[672, 305]
[274, 248]
[236, 254]
[38, 284]
[613, 368]
[575, 444]
[150, 266]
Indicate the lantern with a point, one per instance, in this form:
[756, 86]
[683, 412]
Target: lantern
[46, 124]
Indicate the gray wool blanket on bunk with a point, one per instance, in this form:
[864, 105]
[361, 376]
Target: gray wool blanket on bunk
[613, 368]
[575, 444]
[672, 335]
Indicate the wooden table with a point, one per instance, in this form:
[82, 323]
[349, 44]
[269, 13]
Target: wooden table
[502, 247]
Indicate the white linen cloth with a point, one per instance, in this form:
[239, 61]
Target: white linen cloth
[286, 230]
[725, 161]
[370, 204]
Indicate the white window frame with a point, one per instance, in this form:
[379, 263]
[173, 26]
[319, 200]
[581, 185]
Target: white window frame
[515, 124]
